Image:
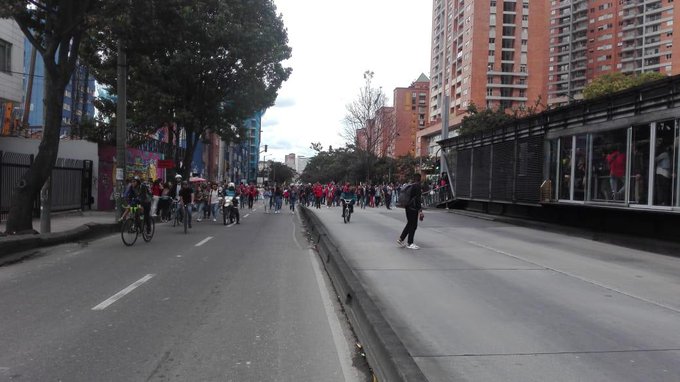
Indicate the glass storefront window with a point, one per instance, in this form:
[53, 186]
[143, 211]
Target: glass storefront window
[608, 171]
[580, 167]
[565, 168]
[663, 163]
[639, 165]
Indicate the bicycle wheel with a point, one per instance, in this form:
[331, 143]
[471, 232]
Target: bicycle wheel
[186, 218]
[175, 220]
[147, 236]
[345, 218]
[128, 232]
[349, 215]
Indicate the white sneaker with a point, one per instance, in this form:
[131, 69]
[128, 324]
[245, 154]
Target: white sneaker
[214, 220]
[413, 246]
[401, 243]
[198, 220]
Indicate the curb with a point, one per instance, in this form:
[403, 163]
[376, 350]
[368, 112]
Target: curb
[11, 246]
[386, 354]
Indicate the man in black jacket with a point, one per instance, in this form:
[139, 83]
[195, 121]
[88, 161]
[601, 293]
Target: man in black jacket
[414, 211]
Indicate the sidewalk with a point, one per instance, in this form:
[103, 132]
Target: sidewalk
[65, 221]
[65, 227]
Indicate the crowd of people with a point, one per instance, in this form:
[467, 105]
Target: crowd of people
[204, 198]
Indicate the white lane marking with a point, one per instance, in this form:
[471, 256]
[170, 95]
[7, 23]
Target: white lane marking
[246, 215]
[341, 345]
[123, 292]
[200, 243]
[569, 274]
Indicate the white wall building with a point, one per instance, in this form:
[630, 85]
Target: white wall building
[11, 61]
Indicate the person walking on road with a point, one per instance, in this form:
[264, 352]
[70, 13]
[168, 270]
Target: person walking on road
[414, 211]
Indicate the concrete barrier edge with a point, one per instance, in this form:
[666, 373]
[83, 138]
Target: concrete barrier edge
[386, 354]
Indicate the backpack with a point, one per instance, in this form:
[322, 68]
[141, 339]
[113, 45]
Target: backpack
[405, 196]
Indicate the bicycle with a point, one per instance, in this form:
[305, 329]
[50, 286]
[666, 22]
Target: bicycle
[346, 210]
[134, 225]
[181, 214]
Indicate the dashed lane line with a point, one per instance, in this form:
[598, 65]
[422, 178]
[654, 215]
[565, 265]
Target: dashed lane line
[104, 304]
[200, 243]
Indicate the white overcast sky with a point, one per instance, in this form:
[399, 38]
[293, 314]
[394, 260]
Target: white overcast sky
[334, 43]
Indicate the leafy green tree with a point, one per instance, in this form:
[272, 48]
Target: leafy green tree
[56, 29]
[280, 173]
[203, 66]
[613, 82]
[483, 120]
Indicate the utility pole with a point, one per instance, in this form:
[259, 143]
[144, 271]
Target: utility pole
[121, 128]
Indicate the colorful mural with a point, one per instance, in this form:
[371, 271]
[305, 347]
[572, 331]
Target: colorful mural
[139, 163]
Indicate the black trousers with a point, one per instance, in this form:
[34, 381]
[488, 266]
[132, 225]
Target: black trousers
[411, 225]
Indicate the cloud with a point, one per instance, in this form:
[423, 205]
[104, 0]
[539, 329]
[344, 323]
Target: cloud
[270, 122]
[285, 102]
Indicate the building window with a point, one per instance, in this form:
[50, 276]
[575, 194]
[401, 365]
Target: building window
[5, 56]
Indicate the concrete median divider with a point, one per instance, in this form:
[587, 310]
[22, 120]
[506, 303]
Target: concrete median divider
[386, 354]
[14, 248]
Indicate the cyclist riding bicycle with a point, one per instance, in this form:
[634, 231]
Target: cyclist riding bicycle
[138, 193]
[348, 195]
[186, 198]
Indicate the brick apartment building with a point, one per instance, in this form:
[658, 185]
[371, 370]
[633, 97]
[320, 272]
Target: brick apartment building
[589, 38]
[411, 107]
[480, 55]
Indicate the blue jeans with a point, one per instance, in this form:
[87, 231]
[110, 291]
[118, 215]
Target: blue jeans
[277, 203]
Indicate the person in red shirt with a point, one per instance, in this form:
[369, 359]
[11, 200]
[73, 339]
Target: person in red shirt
[156, 191]
[617, 171]
[252, 193]
[318, 194]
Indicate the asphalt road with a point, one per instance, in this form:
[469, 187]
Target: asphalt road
[486, 301]
[248, 302]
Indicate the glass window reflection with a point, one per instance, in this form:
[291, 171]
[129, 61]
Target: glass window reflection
[639, 165]
[608, 173]
[663, 163]
[580, 167]
[565, 167]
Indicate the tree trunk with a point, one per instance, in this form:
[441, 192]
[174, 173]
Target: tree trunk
[20, 219]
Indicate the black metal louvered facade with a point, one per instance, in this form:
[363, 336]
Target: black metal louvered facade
[481, 172]
[529, 169]
[503, 167]
[519, 162]
[463, 167]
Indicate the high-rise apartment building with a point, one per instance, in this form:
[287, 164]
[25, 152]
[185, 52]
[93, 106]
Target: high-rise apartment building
[481, 55]
[410, 116]
[589, 38]
[289, 160]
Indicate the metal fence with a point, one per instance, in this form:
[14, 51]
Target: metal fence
[71, 183]
[436, 196]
